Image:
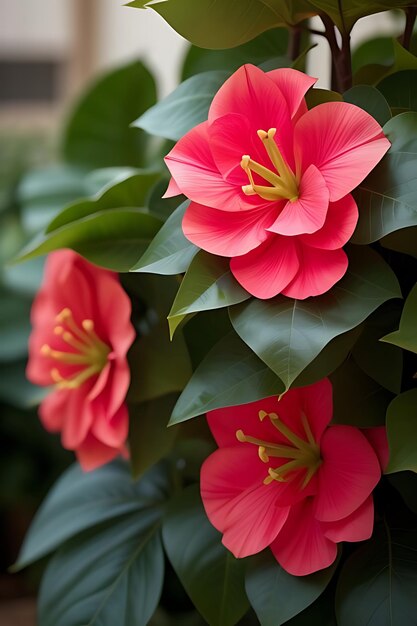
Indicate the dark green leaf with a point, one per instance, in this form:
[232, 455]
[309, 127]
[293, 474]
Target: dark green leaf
[357, 399]
[402, 432]
[212, 577]
[404, 241]
[317, 96]
[15, 389]
[184, 108]
[387, 199]
[400, 90]
[109, 238]
[278, 596]
[231, 374]
[14, 326]
[169, 252]
[79, 501]
[267, 45]
[208, 284]
[406, 485]
[377, 586]
[111, 575]
[149, 437]
[370, 100]
[345, 14]
[382, 362]
[288, 334]
[406, 336]
[99, 132]
[157, 365]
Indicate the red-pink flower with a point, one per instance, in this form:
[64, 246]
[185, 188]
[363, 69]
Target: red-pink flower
[270, 181]
[80, 338]
[283, 478]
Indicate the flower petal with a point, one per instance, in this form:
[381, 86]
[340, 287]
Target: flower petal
[308, 213]
[92, 453]
[227, 233]
[251, 93]
[172, 189]
[268, 269]
[378, 439]
[196, 174]
[301, 547]
[319, 270]
[52, 410]
[78, 417]
[238, 503]
[293, 86]
[342, 141]
[348, 474]
[112, 430]
[355, 527]
[342, 217]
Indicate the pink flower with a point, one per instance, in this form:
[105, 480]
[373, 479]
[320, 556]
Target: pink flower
[284, 478]
[270, 181]
[81, 334]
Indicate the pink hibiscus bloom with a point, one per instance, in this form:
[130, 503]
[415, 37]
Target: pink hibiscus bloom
[270, 181]
[283, 478]
[80, 338]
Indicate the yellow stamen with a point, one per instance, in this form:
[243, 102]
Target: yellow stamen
[88, 350]
[284, 182]
[302, 454]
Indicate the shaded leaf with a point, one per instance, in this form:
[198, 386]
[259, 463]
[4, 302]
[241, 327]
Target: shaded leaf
[386, 567]
[99, 133]
[184, 108]
[402, 432]
[370, 100]
[278, 596]
[288, 334]
[406, 336]
[387, 199]
[211, 575]
[400, 90]
[169, 252]
[208, 284]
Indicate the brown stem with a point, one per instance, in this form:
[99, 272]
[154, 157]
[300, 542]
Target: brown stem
[334, 48]
[410, 18]
[345, 64]
[294, 43]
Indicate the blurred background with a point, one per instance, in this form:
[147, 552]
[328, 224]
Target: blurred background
[50, 52]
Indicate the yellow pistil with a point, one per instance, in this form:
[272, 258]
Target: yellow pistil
[283, 182]
[88, 350]
[302, 454]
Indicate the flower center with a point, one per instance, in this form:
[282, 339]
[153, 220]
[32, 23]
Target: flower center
[283, 181]
[87, 350]
[302, 454]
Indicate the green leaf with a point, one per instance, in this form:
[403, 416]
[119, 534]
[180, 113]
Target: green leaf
[217, 24]
[212, 577]
[406, 484]
[314, 97]
[345, 14]
[278, 596]
[99, 132]
[370, 100]
[400, 90]
[208, 284]
[184, 108]
[110, 238]
[157, 365]
[357, 399]
[229, 375]
[14, 326]
[169, 252]
[402, 432]
[149, 437]
[15, 389]
[387, 199]
[404, 241]
[382, 362]
[288, 334]
[378, 582]
[267, 45]
[130, 192]
[406, 336]
[110, 575]
[80, 501]
[44, 192]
